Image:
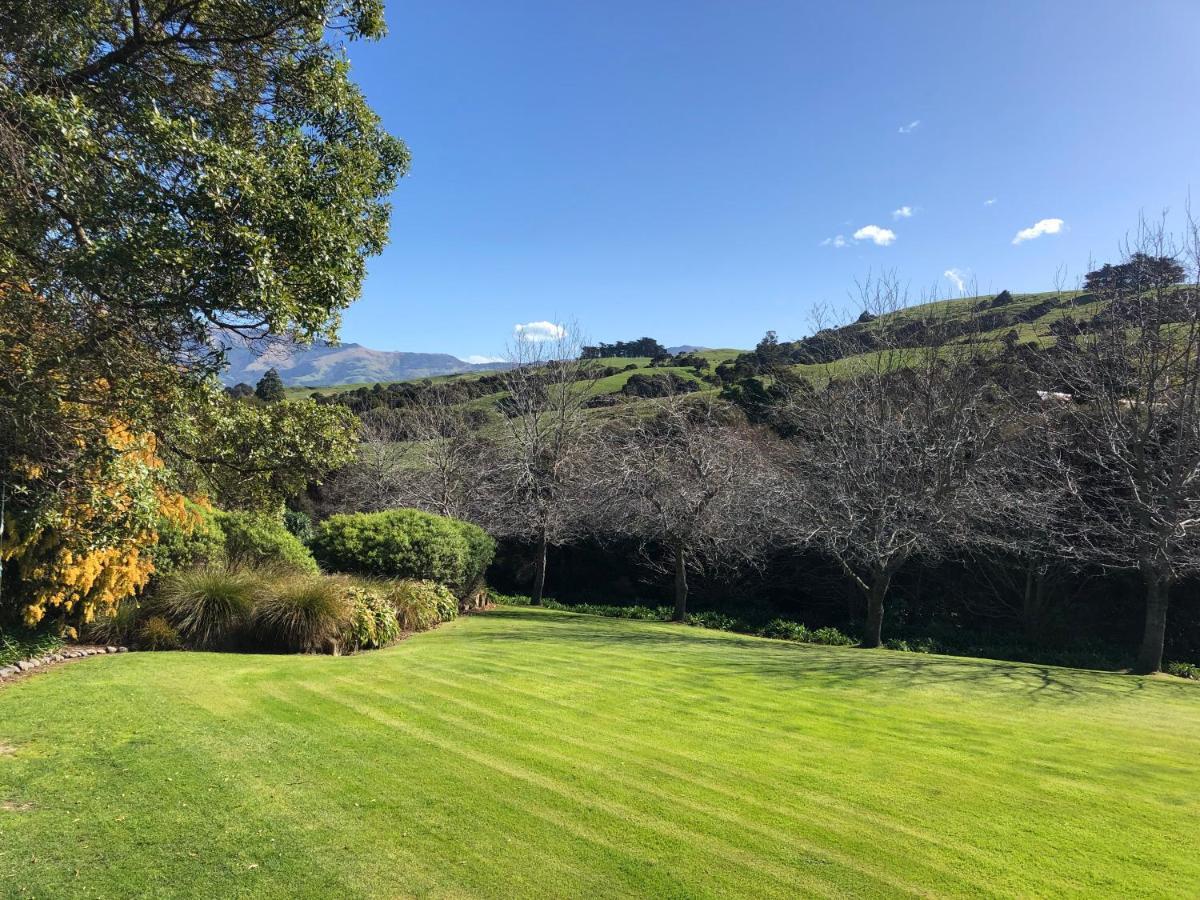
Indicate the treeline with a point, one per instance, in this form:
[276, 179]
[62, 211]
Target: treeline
[971, 453]
[627, 349]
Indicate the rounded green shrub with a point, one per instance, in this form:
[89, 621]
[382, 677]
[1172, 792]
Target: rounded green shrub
[209, 605]
[406, 543]
[302, 614]
[253, 539]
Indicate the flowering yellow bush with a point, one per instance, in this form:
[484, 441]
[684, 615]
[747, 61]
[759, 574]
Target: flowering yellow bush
[91, 545]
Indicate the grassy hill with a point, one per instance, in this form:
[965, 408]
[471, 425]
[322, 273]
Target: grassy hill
[527, 753]
[1029, 315]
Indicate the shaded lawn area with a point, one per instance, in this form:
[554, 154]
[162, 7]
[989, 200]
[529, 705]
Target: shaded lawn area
[524, 752]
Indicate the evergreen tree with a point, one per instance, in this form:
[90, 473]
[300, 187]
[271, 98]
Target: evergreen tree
[270, 387]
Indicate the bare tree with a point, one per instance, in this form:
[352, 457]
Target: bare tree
[895, 453]
[448, 456]
[1133, 430]
[686, 474]
[426, 454]
[540, 463]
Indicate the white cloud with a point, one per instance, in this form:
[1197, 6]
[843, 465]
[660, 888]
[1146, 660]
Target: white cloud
[910, 127]
[880, 236]
[957, 277]
[904, 212]
[540, 331]
[835, 241]
[477, 360]
[1044, 226]
[990, 202]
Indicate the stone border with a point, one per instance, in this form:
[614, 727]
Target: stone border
[23, 666]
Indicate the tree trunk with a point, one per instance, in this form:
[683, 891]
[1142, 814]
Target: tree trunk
[873, 632]
[681, 585]
[1033, 604]
[1157, 587]
[539, 571]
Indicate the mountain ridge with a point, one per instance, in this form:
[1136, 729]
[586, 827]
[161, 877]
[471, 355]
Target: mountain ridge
[325, 364]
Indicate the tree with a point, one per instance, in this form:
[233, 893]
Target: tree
[688, 476]
[1132, 433]
[270, 387]
[541, 462]
[169, 167]
[896, 455]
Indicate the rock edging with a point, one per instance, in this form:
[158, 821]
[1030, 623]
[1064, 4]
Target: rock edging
[21, 667]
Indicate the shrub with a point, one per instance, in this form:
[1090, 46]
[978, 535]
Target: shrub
[1183, 670]
[300, 524]
[481, 550]
[786, 630]
[420, 605]
[157, 633]
[371, 620]
[303, 613]
[209, 605]
[406, 543]
[23, 643]
[191, 540]
[715, 620]
[253, 539]
[917, 645]
[115, 627]
[831, 637]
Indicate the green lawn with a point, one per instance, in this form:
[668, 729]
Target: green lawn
[527, 753]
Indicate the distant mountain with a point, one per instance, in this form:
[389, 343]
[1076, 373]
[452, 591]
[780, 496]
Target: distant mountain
[325, 364]
[685, 348]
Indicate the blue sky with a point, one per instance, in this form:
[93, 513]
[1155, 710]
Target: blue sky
[682, 169]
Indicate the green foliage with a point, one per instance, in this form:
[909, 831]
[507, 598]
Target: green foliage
[300, 524]
[406, 543]
[197, 539]
[257, 455]
[302, 614]
[481, 550]
[21, 644]
[1183, 670]
[372, 620]
[157, 633]
[270, 387]
[715, 620]
[188, 166]
[420, 605]
[831, 637]
[210, 605]
[253, 539]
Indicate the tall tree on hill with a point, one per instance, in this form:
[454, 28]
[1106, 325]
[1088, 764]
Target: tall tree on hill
[270, 387]
[1133, 433]
[685, 475]
[896, 455]
[540, 468]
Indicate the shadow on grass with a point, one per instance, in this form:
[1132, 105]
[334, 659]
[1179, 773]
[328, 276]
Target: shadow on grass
[795, 663]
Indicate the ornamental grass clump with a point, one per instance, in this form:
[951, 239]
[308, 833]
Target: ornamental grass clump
[371, 618]
[303, 614]
[209, 606]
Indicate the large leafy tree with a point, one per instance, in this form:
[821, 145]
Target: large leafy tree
[167, 168]
[173, 165]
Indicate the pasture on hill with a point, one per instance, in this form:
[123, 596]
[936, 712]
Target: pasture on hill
[525, 752]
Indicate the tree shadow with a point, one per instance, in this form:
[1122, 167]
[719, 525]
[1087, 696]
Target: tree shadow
[792, 664]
